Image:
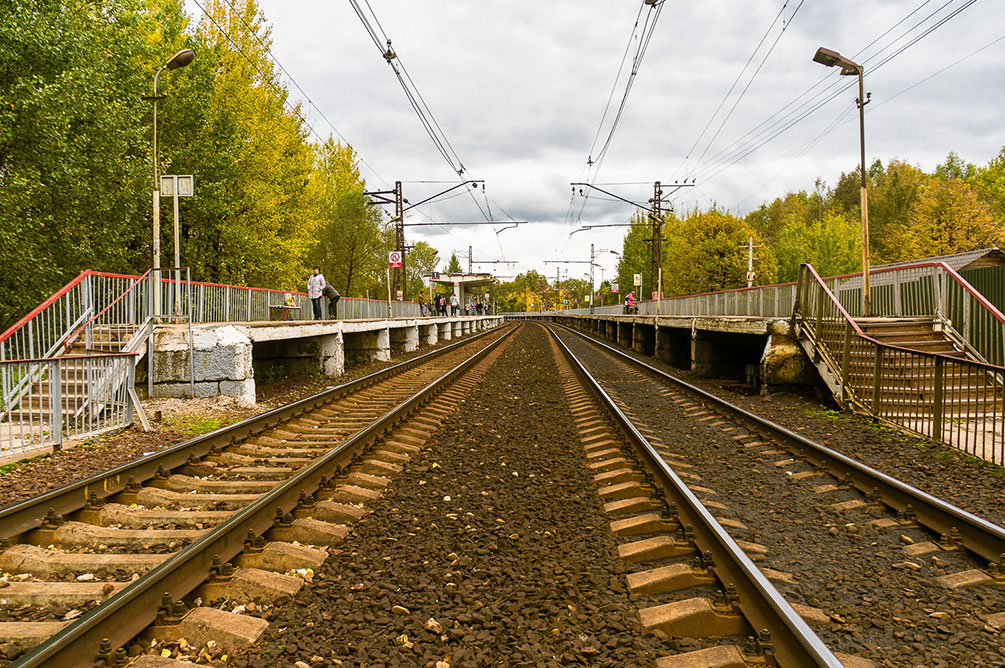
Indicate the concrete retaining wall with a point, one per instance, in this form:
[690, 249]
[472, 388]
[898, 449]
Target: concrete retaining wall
[708, 346]
[226, 355]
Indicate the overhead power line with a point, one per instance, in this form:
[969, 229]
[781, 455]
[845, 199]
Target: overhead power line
[296, 84]
[416, 101]
[758, 137]
[642, 39]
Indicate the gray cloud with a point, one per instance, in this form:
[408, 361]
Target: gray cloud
[518, 89]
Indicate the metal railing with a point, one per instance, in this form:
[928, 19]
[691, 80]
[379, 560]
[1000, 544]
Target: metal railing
[109, 318]
[954, 401]
[72, 397]
[930, 289]
[925, 289]
[215, 302]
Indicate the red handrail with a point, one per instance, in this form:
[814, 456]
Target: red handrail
[112, 303]
[41, 307]
[883, 344]
[841, 309]
[70, 357]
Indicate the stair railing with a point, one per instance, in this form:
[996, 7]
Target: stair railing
[931, 289]
[957, 402]
[122, 315]
[51, 413]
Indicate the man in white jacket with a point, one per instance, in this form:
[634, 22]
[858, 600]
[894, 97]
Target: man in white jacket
[315, 286]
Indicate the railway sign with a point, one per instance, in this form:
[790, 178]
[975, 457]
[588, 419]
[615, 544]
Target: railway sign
[174, 185]
[394, 259]
[637, 280]
[614, 287]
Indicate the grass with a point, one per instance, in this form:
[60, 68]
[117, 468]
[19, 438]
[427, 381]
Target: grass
[847, 417]
[934, 450]
[203, 425]
[13, 466]
[193, 424]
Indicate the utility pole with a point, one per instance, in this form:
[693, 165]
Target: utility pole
[750, 261]
[593, 258]
[400, 277]
[656, 249]
[558, 288]
[471, 264]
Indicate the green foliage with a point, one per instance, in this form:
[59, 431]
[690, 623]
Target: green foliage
[989, 183]
[74, 142]
[833, 245]
[948, 217]
[421, 262]
[454, 266]
[76, 153]
[705, 252]
[347, 239]
[635, 256]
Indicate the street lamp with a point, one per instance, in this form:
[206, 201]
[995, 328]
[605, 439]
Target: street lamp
[850, 68]
[180, 59]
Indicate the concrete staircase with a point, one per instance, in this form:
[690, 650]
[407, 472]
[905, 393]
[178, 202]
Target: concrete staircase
[921, 334]
[908, 387]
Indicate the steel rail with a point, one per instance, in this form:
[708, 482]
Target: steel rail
[22, 516]
[794, 643]
[128, 612]
[976, 534]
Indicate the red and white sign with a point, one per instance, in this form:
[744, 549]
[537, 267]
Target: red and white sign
[394, 259]
[614, 287]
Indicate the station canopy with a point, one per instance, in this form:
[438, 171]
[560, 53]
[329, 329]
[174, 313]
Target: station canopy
[463, 280]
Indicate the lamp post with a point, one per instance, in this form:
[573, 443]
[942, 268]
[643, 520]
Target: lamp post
[850, 68]
[180, 59]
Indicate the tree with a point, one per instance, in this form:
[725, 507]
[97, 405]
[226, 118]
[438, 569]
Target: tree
[989, 183]
[947, 218]
[635, 255]
[703, 254]
[454, 266]
[348, 240]
[890, 200]
[74, 144]
[832, 245]
[265, 234]
[525, 292]
[421, 262]
[955, 168]
[770, 221]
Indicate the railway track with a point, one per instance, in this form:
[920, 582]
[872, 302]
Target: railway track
[932, 569]
[173, 544]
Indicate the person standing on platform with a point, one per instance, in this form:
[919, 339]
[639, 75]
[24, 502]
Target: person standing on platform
[454, 304]
[422, 305]
[315, 286]
[333, 296]
[441, 305]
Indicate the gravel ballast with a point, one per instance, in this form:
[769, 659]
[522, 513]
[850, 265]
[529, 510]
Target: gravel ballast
[490, 549]
[970, 483]
[880, 602]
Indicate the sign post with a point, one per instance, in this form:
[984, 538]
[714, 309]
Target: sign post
[175, 186]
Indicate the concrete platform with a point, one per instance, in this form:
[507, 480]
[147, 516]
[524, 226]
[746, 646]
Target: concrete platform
[734, 347]
[228, 355]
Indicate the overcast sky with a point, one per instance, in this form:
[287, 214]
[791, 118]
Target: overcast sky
[518, 89]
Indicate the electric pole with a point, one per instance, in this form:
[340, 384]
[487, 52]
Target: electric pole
[592, 262]
[750, 261]
[400, 277]
[656, 250]
[399, 280]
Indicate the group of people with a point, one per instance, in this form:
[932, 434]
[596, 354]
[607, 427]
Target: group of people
[318, 288]
[440, 303]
